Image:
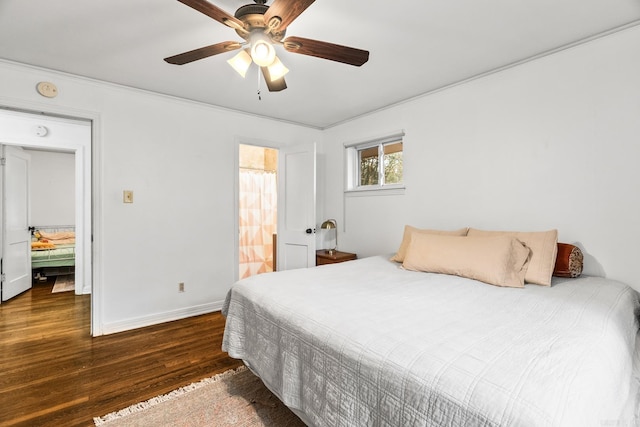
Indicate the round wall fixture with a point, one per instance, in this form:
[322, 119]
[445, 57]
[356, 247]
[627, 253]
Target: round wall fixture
[47, 89]
[41, 130]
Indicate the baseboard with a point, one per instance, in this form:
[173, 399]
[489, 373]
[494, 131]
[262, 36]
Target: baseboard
[154, 319]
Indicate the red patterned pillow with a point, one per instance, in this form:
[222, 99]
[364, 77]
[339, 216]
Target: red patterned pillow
[569, 261]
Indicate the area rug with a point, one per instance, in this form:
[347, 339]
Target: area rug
[64, 284]
[233, 398]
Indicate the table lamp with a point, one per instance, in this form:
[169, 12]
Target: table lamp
[331, 224]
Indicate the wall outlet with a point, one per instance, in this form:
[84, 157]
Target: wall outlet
[181, 287]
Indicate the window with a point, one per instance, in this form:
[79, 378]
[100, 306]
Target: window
[375, 164]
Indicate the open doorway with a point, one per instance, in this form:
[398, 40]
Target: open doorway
[32, 131]
[257, 209]
[52, 203]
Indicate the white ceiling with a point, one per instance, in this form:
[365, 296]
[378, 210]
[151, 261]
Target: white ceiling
[416, 47]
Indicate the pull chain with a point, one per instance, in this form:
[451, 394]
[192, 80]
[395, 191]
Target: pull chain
[259, 96]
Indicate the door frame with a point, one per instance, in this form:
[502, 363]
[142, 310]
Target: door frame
[239, 140]
[236, 193]
[88, 184]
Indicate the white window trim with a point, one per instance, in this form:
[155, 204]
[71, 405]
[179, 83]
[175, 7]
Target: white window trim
[351, 171]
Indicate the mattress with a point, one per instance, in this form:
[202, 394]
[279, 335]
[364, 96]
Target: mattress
[366, 343]
[61, 256]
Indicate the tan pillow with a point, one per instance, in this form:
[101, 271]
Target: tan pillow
[498, 260]
[544, 248]
[409, 230]
[59, 235]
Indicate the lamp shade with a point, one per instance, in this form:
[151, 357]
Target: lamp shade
[241, 62]
[277, 70]
[329, 224]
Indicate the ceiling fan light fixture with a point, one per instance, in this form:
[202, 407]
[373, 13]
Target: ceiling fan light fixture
[277, 70]
[262, 51]
[262, 27]
[241, 62]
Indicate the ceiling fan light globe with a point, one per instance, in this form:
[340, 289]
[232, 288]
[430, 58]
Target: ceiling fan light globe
[241, 63]
[262, 51]
[263, 54]
[277, 70]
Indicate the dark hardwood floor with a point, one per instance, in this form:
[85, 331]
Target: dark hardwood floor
[53, 373]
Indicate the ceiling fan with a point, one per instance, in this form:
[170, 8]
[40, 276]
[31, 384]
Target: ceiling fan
[262, 27]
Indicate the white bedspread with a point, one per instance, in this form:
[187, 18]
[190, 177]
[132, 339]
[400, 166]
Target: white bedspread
[365, 343]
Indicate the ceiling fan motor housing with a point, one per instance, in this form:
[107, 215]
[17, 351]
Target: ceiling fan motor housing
[252, 15]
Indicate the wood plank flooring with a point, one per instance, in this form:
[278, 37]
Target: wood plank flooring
[53, 373]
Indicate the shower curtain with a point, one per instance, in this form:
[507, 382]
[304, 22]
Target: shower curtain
[258, 219]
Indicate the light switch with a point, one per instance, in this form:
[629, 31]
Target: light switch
[127, 196]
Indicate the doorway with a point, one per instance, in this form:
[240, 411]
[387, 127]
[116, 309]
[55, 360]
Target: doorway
[52, 203]
[38, 131]
[257, 209]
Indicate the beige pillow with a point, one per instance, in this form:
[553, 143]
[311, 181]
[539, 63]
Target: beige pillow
[544, 248]
[409, 230]
[499, 260]
[59, 235]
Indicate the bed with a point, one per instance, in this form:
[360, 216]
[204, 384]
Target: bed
[368, 343]
[53, 251]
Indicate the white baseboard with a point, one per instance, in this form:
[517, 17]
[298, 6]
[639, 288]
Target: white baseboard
[141, 322]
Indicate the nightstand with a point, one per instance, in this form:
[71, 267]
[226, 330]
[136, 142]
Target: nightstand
[323, 257]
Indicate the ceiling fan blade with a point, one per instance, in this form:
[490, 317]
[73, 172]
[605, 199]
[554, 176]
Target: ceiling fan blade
[203, 52]
[287, 11]
[276, 85]
[203, 6]
[324, 50]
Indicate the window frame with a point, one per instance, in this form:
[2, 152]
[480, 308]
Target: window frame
[352, 164]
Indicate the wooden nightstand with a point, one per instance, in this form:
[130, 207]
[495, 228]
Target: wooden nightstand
[322, 257]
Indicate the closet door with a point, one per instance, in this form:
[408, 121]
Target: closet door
[16, 238]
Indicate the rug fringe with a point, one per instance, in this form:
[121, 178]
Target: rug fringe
[141, 406]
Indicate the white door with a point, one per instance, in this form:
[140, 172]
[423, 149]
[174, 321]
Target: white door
[16, 246]
[296, 207]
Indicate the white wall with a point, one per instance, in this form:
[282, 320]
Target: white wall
[553, 143]
[178, 158]
[52, 182]
[549, 144]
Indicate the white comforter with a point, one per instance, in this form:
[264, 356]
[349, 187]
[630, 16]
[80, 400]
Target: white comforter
[365, 343]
